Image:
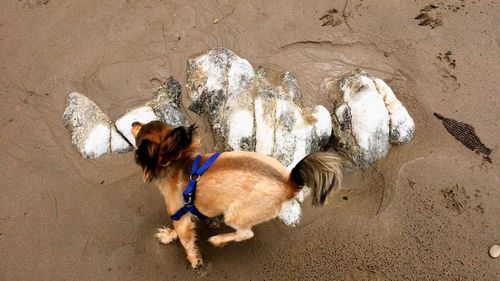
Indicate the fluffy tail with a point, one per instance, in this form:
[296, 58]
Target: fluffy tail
[319, 171]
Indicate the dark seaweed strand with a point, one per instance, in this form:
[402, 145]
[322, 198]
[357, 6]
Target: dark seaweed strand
[465, 133]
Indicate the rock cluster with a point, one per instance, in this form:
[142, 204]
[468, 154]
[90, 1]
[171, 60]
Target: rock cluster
[93, 133]
[249, 110]
[91, 130]
[254, 110]
[257, 110]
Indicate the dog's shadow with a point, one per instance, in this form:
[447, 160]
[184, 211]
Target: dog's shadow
[215, 226]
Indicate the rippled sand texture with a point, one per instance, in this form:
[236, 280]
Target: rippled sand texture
[66, 218]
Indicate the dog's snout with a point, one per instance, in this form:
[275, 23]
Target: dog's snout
[136, 124]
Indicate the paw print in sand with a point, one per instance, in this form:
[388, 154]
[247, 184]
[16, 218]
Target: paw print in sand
[446, 64]
[331, 18]
[447, 59]
[429, 16]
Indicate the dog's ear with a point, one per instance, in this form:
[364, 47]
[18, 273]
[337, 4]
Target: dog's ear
[183, 136]
[146, 155]
[177, 144]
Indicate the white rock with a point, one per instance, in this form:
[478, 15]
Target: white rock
[367, 116]
[143, 114]
[118, 142]
[494, 251]
[291, 213]
[89, 126]
[97, 141]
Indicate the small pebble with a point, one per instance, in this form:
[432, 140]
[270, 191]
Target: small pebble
[216, 20]
[495, 251]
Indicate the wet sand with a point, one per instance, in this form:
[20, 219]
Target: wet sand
[429, 211]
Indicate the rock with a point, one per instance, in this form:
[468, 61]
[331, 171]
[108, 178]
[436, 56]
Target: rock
[291, 213]
[166, 102]
[248, 112]
[284, 128]
[494, 251]
[367, 117]
[93, 133]
[220, 85]
[118, 142]
[143, 114]
[401, 125]
[164, 106]
[256, 111]
[90, 128]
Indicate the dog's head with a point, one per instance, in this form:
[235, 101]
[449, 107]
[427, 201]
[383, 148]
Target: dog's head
[158, 145]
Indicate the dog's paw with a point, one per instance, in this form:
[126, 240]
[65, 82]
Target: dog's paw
[166, 235]
[216, 241]
[197, 263]
[204, 270]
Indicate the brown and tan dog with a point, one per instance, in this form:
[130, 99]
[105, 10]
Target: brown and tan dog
[247, 188]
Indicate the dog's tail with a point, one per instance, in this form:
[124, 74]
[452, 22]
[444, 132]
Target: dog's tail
[319, 171]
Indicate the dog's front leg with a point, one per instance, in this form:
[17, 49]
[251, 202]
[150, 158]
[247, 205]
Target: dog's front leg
[184, 228]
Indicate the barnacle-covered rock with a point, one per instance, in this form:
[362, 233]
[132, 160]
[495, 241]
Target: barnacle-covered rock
[367, 116]
[256, 111]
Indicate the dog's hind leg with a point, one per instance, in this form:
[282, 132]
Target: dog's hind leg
[184, 228]
[243, 231]
[243, 219]
[166, 235]
[239, 235]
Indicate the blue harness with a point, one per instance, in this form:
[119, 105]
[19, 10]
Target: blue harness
[189, 193]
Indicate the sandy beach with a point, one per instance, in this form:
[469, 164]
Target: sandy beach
[429, 211]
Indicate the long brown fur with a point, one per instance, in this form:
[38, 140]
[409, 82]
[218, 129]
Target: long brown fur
[247, 188]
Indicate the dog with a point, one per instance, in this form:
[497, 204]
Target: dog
[246, 188]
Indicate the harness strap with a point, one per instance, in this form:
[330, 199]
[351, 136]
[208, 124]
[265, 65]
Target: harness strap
[189, 193]
[182, 211]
